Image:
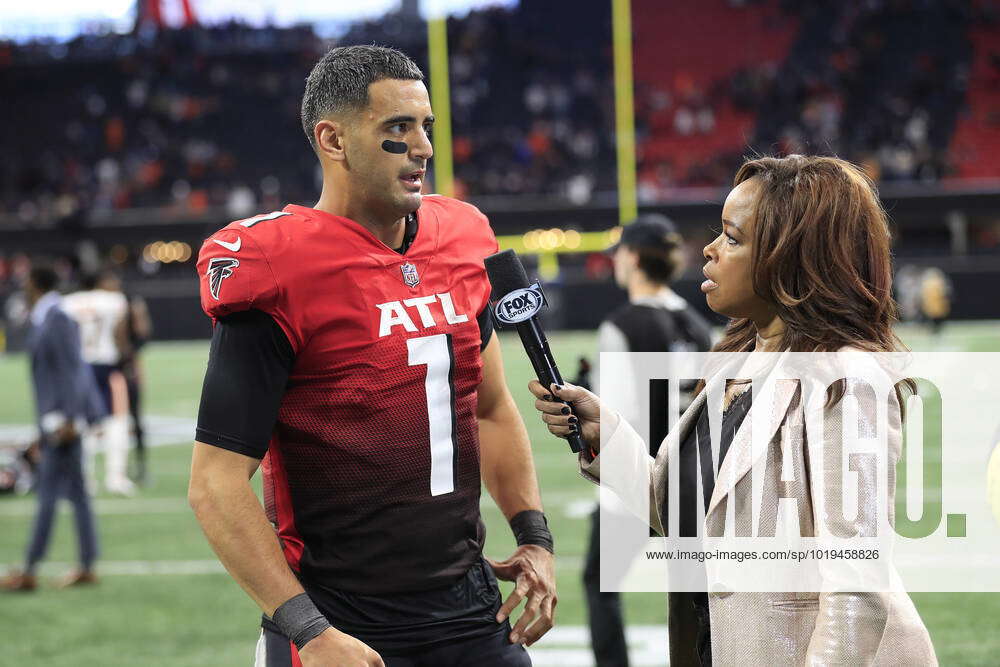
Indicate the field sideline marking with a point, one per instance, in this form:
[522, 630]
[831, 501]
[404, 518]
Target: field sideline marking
[563, 646]
[102, 506]
[140, 568]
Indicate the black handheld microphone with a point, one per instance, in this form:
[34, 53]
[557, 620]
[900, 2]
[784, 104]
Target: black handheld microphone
[515, 303]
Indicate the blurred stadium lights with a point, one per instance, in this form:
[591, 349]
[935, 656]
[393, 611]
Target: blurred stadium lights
[548, 244]
[555, 240]
[167, 252]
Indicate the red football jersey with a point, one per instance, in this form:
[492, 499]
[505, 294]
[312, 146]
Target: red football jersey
[372, 474]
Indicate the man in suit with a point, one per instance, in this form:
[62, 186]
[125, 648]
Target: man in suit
[64, 389]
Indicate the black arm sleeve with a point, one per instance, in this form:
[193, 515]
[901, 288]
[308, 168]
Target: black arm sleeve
[485, 320]
[248, 368]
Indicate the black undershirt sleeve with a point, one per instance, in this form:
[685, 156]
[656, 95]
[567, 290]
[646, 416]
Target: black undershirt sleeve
[485, 321]
[248, 368]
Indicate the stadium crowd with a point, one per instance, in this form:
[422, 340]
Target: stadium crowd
[880, 83]
[110, 122]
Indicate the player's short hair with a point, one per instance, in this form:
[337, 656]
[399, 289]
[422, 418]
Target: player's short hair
[339, 81]
[43, 276]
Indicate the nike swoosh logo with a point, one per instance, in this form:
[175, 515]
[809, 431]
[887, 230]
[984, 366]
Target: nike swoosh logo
[231, 247]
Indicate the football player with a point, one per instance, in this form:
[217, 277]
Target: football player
[100, 309]
[353, 359]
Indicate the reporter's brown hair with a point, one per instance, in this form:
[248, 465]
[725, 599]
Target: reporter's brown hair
[821, 256]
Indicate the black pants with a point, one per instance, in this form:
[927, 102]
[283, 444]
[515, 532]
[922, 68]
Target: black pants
[489, 651]
[135, 406]
[604, 610]
[60, 474]
[451, 626]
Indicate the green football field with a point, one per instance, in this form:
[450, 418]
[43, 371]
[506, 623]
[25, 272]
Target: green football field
[164, 600]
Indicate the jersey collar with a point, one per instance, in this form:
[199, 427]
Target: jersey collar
[422, 241]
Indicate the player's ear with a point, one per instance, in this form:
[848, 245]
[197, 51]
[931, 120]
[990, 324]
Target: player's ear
[330, 139]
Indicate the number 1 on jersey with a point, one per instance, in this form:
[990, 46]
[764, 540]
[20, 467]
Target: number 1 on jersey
[435, 353]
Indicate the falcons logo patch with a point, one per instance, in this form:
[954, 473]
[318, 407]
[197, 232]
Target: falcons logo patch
[219, 269]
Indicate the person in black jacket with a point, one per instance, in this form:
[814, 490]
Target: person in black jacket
[655, 319]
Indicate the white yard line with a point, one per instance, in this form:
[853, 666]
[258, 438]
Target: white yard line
[102, 506]
[569, 646]
[563, 646]
[139, 568]
[160, 430]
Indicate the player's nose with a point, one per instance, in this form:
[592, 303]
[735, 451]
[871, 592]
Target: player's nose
[422, 149]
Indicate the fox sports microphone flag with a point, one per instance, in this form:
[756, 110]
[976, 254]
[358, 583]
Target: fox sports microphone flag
[516, 302]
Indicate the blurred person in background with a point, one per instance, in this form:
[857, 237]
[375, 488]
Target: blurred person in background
[138, 331]
[778, 270]
[63, 386]
[935, 298]
[647, 258]
[101, 309]
[907, 285]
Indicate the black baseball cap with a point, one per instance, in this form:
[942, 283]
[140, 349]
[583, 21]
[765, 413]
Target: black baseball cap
[649, 230]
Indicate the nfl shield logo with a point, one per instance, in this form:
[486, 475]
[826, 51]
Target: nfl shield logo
[410, 276]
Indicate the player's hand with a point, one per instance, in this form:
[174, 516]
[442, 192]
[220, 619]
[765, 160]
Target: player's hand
[67, 433]
[532, 569]
[585, 417]
[332, 648]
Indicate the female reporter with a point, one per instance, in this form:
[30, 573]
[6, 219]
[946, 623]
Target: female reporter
[802, 264]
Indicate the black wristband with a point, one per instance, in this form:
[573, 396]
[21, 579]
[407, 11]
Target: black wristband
[300, 620]
[531, 527]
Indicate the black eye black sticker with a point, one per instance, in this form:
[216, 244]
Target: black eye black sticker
[394, 147]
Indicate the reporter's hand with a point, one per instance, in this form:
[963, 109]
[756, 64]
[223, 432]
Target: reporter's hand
[332, 648]
[585, 417]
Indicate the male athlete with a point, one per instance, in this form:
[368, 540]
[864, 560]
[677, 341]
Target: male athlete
[99, 309]
[353, 353]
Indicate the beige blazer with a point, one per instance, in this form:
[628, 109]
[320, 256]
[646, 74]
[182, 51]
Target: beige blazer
[752, 628]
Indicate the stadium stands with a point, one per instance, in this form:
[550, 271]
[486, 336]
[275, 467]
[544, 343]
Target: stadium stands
[147, 120]
[695, 125]
[880, 83]
[127, 122]
[976, 148]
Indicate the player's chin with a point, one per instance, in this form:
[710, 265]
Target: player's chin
[409, 201]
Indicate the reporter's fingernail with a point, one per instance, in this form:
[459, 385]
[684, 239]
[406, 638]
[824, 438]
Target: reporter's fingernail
[572, 420]
[558, 387]
[515, 638]
[500, 618]
[547, 397]
[565, 410]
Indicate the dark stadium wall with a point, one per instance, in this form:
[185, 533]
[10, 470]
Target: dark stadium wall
[920, 219]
